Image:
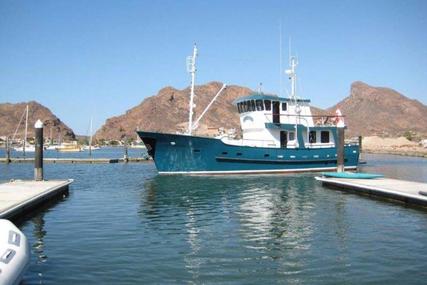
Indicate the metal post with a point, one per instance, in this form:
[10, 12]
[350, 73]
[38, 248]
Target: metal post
[360, 144]
[126, 157]
[340, 150]
[7, 150]
[38, 161]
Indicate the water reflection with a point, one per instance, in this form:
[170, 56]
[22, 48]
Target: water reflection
[270, 216]
[38, 246]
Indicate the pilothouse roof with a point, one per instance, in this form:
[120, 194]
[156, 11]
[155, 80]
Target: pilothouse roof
[262, 96]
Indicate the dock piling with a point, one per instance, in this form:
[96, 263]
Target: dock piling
[38, 160]
[7, 150]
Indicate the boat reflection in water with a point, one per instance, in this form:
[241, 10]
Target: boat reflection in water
[234, 220]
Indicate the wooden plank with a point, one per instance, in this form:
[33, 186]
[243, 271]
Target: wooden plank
[18, 197]
[402, 190]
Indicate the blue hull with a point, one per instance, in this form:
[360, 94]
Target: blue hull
[181, 154]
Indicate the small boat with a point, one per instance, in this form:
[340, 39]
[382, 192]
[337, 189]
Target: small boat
[51, 147]
[69, 147]
[352, 175]
[14, 253]
[26, 148]
[93, 147]
[137, 146]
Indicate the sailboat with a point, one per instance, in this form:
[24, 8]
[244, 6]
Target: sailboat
[138, 143]
[90, 147]
[25, 147]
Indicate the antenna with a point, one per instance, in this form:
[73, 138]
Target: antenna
[191, 68]
[280, 58]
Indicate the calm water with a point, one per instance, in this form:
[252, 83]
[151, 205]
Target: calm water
[124, 224]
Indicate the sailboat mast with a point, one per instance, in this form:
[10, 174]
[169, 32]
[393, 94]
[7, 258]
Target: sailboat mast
[191, 68]
[90, 138]
[26, 130]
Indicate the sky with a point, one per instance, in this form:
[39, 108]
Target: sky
[84, 59]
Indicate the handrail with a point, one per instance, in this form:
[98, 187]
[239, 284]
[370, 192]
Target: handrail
[323, 120]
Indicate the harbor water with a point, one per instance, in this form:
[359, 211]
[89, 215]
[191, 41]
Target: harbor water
[124, 224]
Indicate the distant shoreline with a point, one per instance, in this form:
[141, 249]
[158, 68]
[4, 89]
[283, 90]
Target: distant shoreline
[422, 154]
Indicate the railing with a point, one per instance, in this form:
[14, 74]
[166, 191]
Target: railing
[318, 120]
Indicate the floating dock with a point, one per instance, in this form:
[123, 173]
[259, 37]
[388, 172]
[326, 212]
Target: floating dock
[18, 197]
[77, 160]
[409, 192]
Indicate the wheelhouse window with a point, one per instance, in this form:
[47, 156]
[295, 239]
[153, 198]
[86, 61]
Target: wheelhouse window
[259, 105]
[267, 104]
[291, 136]
[324, 137]
[244, 107]
[312, 137]
[284, 106]
[252, 105]
[239, 107]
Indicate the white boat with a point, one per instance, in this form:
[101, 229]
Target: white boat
[51, 147]
[26, 148]
[89, 147]
[137, 146]
[14, 253]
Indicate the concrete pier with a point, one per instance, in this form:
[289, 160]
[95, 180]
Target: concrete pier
[19, 197]
[408, 192]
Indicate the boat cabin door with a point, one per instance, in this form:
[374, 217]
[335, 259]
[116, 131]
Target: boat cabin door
[276, 112]
[283, 139]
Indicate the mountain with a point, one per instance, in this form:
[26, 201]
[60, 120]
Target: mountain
[168, 112]
[10, 115]
[368, 111]
[381, 111]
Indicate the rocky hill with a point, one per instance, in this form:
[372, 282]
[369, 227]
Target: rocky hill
[381, 111]
[168, 112]
[10, 114]
[369, 111]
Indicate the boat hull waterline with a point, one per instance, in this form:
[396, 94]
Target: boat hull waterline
[183, 154]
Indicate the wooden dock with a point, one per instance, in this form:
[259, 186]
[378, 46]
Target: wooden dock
[18, 197]
[78, 160]
[400, 190]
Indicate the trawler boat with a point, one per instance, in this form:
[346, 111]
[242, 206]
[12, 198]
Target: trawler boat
[278, 135]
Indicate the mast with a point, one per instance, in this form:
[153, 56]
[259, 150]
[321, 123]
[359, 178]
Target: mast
[280, 59]
[291, 72]
[293, 76]
[90, 138]
[191, 68]
[26, 130]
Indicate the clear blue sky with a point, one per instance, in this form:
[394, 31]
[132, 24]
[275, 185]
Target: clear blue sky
[100, 58]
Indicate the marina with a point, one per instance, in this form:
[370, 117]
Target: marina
[271, 227]
[213, 142]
